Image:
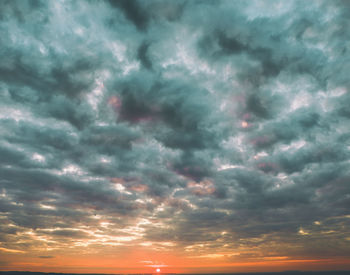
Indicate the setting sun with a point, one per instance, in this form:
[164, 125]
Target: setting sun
[158, 270]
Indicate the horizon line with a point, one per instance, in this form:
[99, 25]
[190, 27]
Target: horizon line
[164, 273]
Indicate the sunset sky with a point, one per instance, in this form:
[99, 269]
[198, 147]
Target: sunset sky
[189, 136]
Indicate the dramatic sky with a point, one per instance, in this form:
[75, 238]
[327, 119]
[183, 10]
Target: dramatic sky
[188, 136]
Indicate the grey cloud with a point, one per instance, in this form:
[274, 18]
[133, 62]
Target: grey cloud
[174, 104]
[143, 57]
[206, 117]
[46, 257]
[133, 11]
[141, 14]
[70, 234]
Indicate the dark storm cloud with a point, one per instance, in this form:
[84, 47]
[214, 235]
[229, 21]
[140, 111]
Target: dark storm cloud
[217, 123]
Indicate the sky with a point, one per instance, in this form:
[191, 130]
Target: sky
[189, 136]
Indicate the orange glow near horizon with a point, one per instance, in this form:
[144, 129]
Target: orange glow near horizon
[146, 261]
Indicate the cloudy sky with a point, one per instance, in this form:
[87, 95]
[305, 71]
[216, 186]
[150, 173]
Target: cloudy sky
[188, 136]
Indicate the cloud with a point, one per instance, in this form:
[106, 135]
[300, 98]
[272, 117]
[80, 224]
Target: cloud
[223, 125]
[46, 257]
[134, 12]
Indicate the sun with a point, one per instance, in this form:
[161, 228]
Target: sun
[158, 270]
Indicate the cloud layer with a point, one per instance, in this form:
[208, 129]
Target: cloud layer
[213, 128]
